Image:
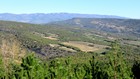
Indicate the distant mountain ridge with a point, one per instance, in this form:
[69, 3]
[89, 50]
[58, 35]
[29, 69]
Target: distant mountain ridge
[41, 18]
[111, 25]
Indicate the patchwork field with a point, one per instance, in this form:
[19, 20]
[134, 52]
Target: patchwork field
[85, 46]
[49, 36]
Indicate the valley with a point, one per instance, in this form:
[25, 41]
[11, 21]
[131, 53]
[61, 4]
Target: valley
[69, 39]
[77, 40]
[72, 37]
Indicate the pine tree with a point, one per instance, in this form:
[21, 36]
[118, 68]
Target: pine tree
[117, 67]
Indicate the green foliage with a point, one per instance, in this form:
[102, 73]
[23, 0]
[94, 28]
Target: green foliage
[2, 69]
[117, 67]
[33, 68]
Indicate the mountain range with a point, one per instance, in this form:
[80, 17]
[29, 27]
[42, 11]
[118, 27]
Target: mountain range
[109, 25]
[102, 23]
[42, 18]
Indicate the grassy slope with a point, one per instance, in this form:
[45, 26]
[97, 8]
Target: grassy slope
[24, 33]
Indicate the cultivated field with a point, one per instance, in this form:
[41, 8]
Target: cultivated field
[85, 46]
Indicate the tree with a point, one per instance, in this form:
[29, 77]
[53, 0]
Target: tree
[117, 67]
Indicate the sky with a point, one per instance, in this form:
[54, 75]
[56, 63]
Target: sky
[125, 8]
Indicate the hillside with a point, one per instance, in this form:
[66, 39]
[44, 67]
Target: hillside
[39, 18]
[67, 49]
[117, 26]
[69, 37]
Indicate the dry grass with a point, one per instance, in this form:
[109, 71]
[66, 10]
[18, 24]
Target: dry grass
[12, 51]
[62, 47]
[51, 38]
[54, 45]
[85, 46]
[67, 49]
[111, 38]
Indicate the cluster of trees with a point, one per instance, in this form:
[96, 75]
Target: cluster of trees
[31, 67]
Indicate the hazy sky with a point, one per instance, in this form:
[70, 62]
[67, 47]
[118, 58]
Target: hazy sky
[127, 8]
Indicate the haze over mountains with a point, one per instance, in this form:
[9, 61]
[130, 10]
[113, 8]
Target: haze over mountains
[39, 18]
[106, 23]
